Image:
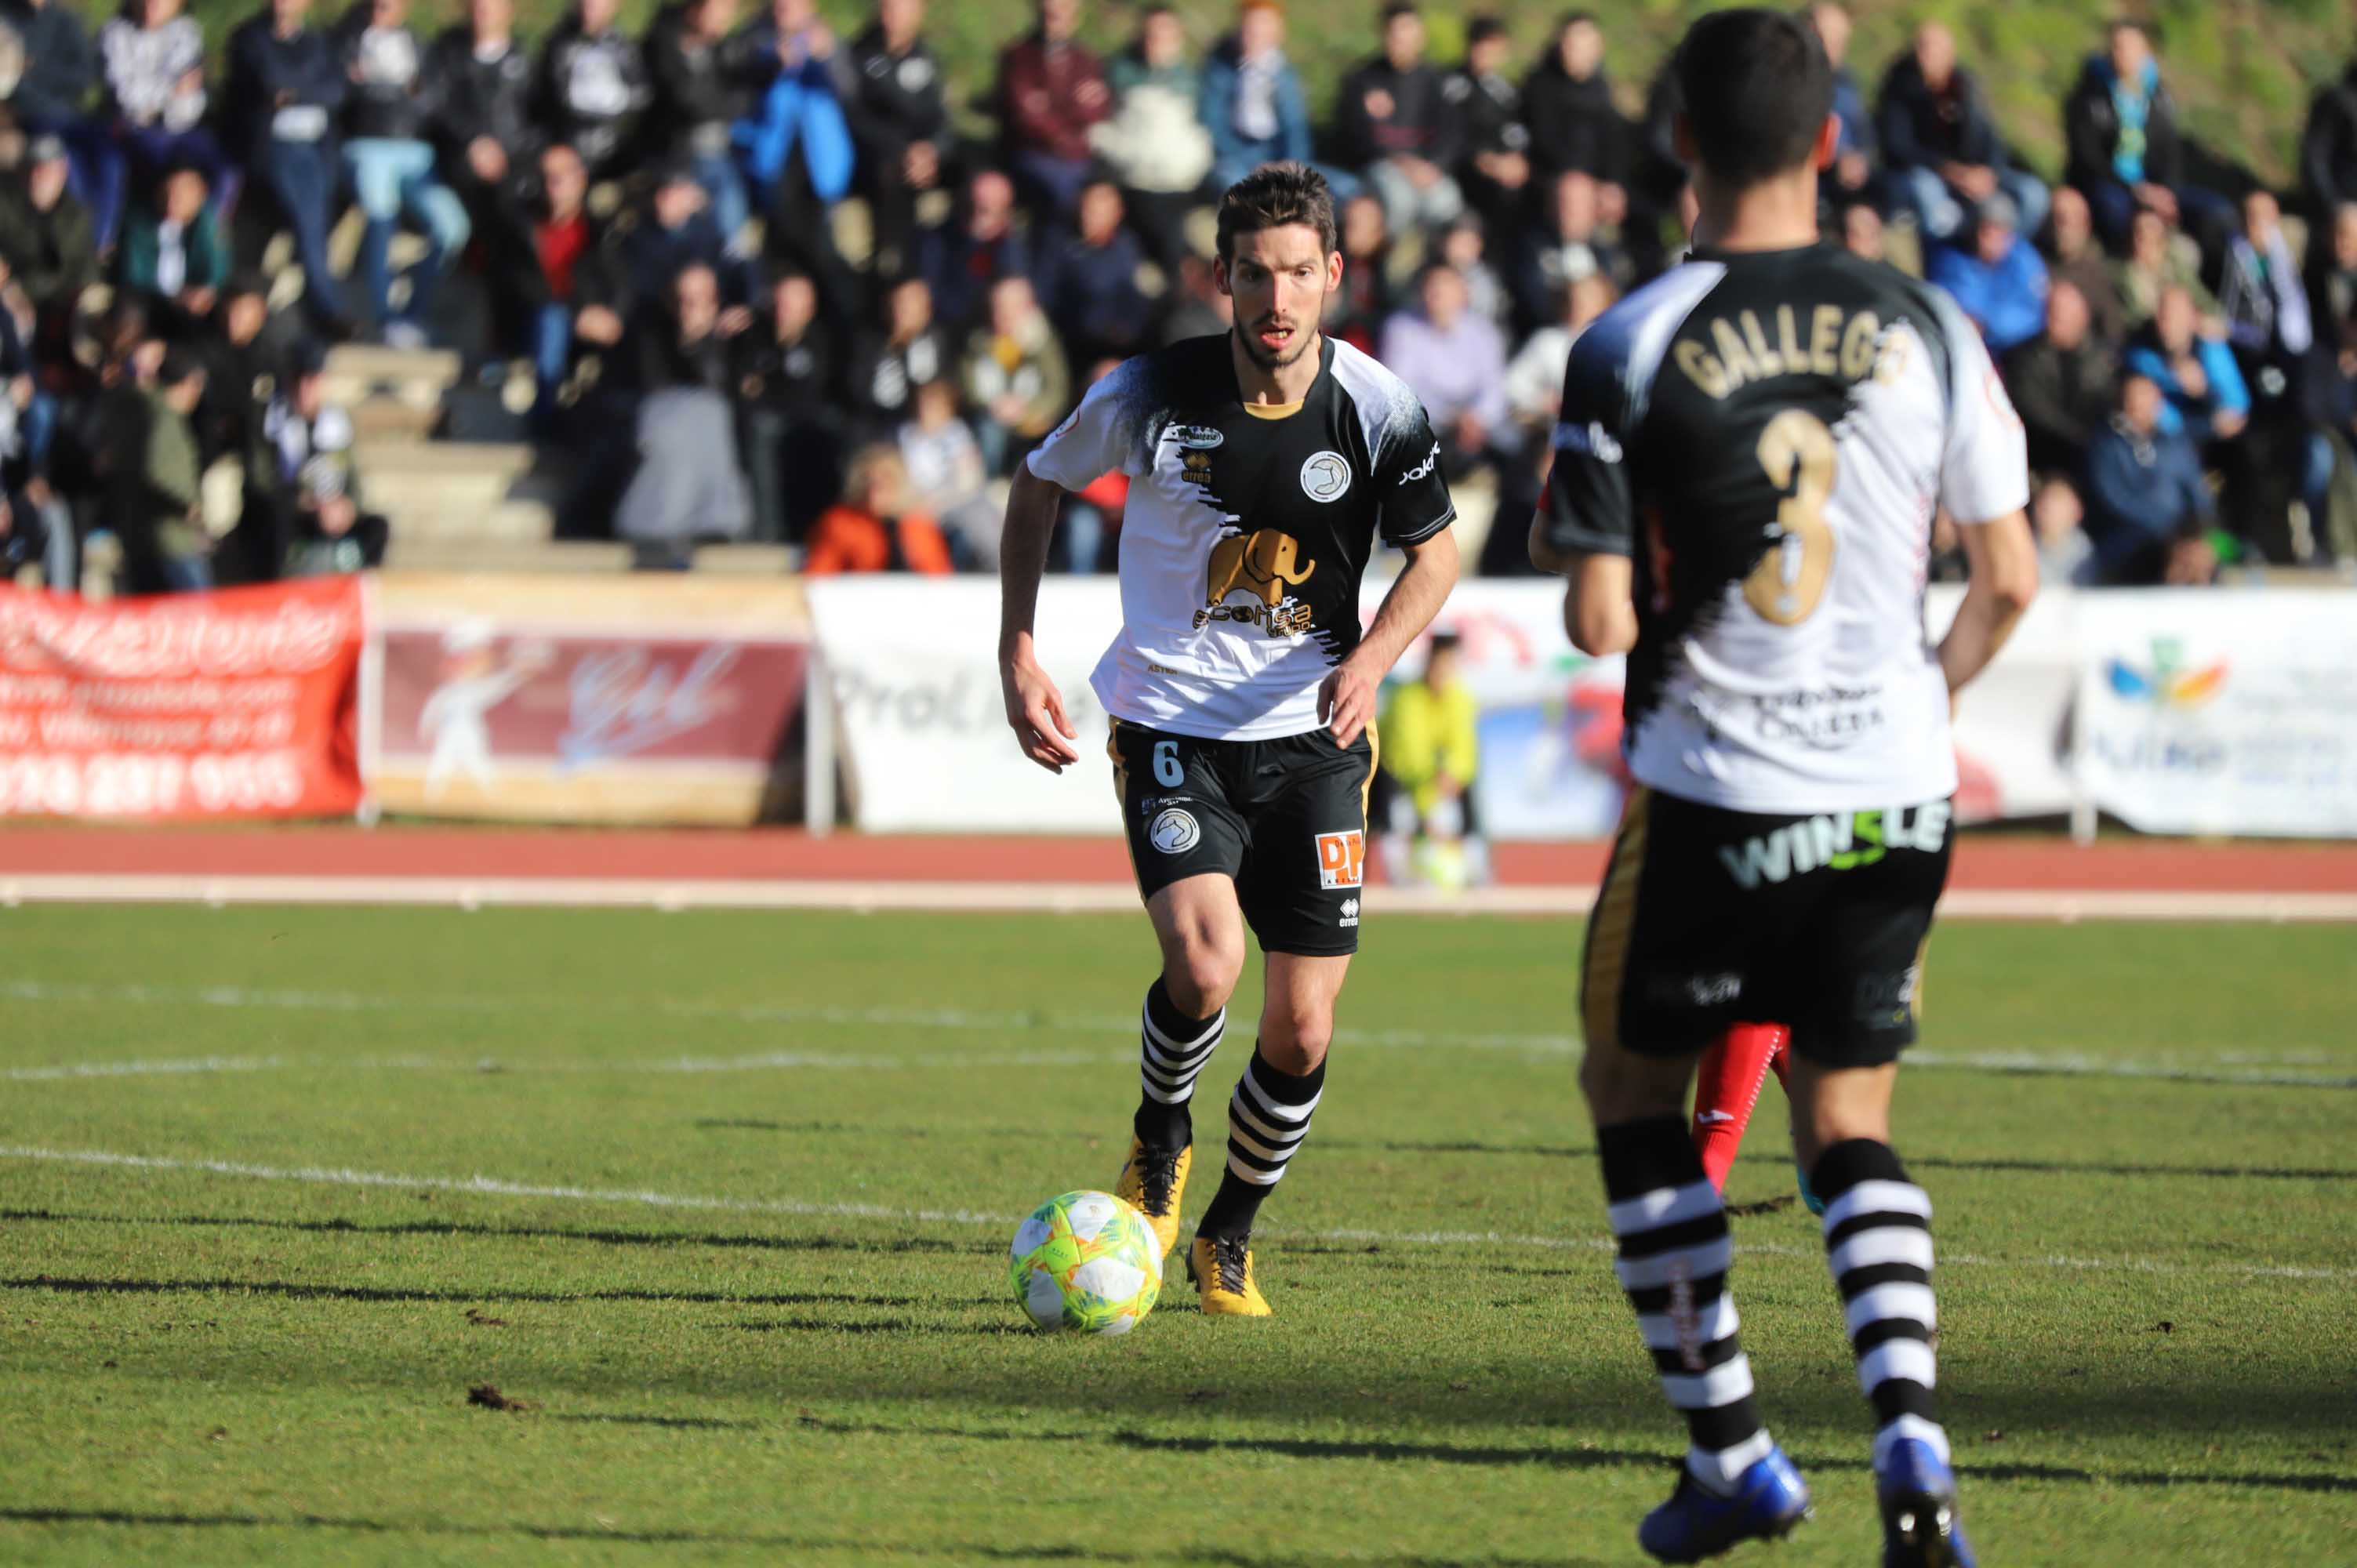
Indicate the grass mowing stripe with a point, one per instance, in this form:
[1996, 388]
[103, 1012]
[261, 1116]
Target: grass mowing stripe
[499, 1188]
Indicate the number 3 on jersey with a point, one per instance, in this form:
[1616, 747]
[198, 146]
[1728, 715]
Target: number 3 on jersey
[1797, 451]
[1169, 771]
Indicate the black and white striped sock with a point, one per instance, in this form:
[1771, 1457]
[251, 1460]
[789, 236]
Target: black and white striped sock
[1674, 1255]
[1173, 1051]
[1878, 1244]
[1268, 1116]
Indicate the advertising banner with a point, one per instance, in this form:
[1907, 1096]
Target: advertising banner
[2210, 712]
[647, 699]
[926, 746]
[238, 703]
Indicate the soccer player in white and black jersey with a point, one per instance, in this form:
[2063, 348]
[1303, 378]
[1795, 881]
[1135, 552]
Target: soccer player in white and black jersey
[1751, 453]
[1262, 463]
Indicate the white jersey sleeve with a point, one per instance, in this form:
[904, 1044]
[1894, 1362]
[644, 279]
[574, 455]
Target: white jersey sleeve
[1106, 432]
[1985, 466]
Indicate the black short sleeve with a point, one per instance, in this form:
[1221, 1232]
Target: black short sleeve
[1589, 507]
[1415, 501]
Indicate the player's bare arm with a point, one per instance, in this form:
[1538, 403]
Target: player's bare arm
[1599, 613]
[2002, 558]
[1346, 701]
[1035, 709]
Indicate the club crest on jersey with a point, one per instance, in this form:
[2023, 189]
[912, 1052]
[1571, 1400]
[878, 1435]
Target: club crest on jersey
[1174, 831]
[1266, 563]
[1341, 859]
[1325, 477]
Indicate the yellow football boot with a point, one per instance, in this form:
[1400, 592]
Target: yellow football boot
[1221, 1268]
[1153, 1183]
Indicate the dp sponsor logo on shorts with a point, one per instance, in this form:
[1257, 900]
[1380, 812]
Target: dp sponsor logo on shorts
[1340, 858]
[1174, 831]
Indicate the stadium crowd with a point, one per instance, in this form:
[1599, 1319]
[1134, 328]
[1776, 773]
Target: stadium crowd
[768, 288]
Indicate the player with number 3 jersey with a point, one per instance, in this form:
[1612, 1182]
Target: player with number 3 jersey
[1752, 451]
[1263, 465]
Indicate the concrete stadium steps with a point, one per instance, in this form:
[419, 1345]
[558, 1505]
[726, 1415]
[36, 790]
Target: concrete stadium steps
[458, 525]
[359, 373]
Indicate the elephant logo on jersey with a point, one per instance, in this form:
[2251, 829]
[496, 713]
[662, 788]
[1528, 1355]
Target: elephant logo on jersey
[1264, 563]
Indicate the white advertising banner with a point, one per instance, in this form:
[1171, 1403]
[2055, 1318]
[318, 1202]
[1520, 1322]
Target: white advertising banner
[2219, 712]
[926, 749]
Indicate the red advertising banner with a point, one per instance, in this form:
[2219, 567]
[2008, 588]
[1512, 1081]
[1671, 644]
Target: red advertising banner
[237, 703]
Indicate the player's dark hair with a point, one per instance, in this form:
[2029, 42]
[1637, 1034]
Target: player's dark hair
[1394, 9]
[1757, 88]
[1271, 197]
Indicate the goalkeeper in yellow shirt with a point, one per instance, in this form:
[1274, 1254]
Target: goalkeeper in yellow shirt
[1432, 831]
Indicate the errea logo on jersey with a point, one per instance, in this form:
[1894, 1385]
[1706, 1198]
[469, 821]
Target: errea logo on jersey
[1341, 859]
[1591, 438]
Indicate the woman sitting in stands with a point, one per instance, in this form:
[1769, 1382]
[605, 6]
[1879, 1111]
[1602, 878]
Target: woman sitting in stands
[872, 529]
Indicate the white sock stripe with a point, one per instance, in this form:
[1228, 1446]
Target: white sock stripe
[1722, 1468]
[1162, 1096]
[1929, 1433]
[1722, 1384]
[1713, 1321]
[1663, 1206]
[1189, 1064]
[1251, 1145]
[1897, 1244]
[1878, 1198]
[1909, 1360]
[1687, 1263]
[1209, 1036]
[1282, 1109]
[1240, 1112]
[1170, 1075]
[1913, 1303]
[1243, 1172]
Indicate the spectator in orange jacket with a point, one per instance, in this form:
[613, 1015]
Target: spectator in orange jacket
[871, 531]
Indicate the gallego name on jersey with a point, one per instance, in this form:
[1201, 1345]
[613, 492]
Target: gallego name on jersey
[1842, 841]
[1851, 347]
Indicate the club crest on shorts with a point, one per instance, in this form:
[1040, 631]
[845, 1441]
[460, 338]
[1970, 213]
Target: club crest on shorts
[1325, 477]
[1341, 859]
[1174, 831]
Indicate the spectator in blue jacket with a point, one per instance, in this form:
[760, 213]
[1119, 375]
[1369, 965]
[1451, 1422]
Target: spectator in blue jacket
[1852, 171]
[960, 259]
[1087, 277]
[787, 58]
[2206, 396]
[2000, 281]
[1252, 102]
[2148, 507]
[52, 94]
[287, 83]
[2122, 147]
[1941, 145]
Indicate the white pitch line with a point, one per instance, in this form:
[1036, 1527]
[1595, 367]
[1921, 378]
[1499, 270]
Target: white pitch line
[1050, 897]
[2230, 1065]
[494, 1187]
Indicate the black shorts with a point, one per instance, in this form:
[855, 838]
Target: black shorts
[1709, 918]
[1284, 818]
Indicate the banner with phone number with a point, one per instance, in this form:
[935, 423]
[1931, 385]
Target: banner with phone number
[237, 703]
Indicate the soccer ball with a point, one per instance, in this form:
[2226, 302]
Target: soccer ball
[1088, 1261]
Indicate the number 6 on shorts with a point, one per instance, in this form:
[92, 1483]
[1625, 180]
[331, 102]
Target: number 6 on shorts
[1169, 771]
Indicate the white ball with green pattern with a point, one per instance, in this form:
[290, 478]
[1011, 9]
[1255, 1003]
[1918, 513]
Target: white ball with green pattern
[1086, 1262]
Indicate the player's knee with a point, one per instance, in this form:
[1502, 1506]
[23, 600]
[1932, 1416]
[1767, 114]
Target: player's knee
[1201, 976]
[1294, 1037]
[1621, 1086]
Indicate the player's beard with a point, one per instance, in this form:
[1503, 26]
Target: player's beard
[1269, 359]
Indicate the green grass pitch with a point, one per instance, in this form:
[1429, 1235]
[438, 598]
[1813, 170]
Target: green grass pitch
[724, 1199]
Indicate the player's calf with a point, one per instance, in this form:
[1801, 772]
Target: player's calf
[1879, 1245]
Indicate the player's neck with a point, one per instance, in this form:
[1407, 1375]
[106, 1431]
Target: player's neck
[1283, 383]
[1779, 214]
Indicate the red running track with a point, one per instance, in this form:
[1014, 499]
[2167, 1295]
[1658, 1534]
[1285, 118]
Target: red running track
[2008, 863]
